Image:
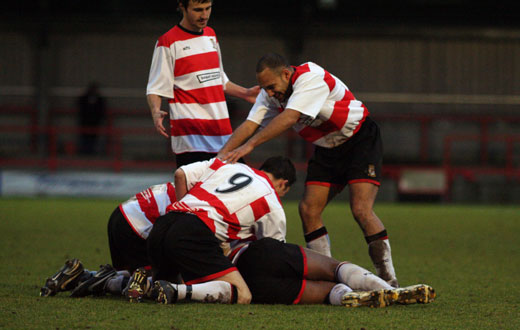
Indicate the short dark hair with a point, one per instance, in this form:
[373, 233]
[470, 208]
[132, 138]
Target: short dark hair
[281, 168]
[272, 61]
[186, 2]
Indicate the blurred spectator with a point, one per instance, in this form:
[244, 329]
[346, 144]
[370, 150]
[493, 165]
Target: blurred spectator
[92, 112]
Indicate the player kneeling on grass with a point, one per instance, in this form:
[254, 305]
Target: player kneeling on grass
[218, 203]
[128, 227]
[244, 200]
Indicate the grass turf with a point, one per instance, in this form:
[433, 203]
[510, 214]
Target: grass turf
[469, 254]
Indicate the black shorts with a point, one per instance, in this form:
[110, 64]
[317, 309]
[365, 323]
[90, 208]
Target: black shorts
[359, 159]
[127, 249]
[192, 157]
[181, 242]
[274, 271]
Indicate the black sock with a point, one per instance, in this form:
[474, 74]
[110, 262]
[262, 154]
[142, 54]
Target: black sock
[315, 234]
[375, 237]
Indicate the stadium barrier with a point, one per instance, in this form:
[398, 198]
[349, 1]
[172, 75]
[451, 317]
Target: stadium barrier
[419, 176]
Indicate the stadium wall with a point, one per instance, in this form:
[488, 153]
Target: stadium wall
[445, 62]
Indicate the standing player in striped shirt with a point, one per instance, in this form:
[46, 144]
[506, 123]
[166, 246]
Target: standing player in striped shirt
[218, 203]
[187, 70]
[348, 150]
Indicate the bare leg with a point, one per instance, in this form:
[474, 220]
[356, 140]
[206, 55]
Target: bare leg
[362, 197]
[234, 278]
[316, 292]
[320, 267]
[315, 198]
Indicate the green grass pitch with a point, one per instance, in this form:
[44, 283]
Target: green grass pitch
[469, 254]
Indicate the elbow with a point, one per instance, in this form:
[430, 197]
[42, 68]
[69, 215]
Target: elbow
[179, 175]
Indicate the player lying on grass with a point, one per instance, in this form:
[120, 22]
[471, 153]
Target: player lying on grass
[275, 272]
[284, 273]
[313, 271]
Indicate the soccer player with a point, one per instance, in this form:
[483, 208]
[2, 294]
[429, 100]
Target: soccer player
[128, 227]
[348, 148]
[187, 70]
[284, 273]
[219, 203]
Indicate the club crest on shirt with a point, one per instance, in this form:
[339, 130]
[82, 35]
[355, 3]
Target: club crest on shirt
[214, 43]
[371, 171]
[205, 77]
[147, 195]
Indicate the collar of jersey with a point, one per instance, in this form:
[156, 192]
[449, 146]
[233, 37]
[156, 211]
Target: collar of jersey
[189, 31]
[262, 174]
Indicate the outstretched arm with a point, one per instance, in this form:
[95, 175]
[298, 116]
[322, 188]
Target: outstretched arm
[241, 134]
[278, 125]
[247, 94]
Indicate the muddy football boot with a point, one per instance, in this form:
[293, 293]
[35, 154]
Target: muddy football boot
[65, 279]
[138, 286]
[373, 299]
[414, 294]
[165, 292]
[96, 284]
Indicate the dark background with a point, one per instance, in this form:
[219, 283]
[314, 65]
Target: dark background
[409, 12]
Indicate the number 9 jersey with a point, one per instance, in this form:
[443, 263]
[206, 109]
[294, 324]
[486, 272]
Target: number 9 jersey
[235, 201]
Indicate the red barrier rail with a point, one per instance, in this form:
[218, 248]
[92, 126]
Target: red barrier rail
[114, 158]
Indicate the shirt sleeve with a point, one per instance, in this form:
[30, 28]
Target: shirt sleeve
[161, 79]
[309, 94]
[225, 78]
[272, 225]
[263, 111]
[195, 171]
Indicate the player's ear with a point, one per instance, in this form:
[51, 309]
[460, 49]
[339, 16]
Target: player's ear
[284, 187]
[181, 7]
[286, 73]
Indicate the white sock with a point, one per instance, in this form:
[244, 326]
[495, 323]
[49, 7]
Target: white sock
[381, 255]
[209, 292]
[337, 292]
[320, 245]
[358, 278]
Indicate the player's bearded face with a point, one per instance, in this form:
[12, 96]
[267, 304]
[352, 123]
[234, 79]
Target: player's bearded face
[276, 84]
[196, 16]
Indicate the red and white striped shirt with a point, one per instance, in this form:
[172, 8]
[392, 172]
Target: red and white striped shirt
[330, 114]
[235, 201]
[143, 209]
[187, 69]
